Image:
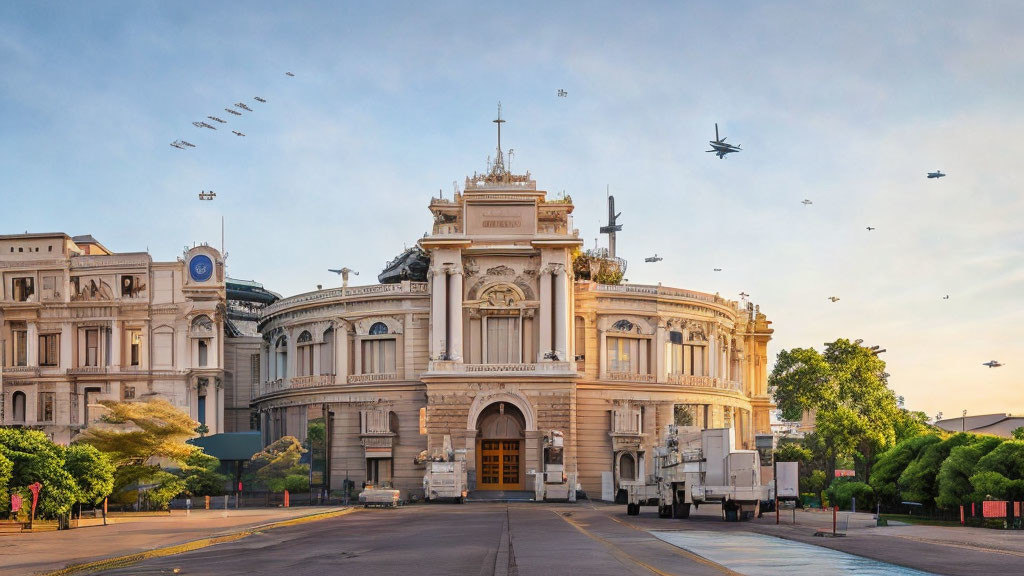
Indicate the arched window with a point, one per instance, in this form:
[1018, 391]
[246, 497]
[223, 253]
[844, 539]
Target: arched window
[379, 355]
[627, 467]
[623, 326]
[327, 352]
[281, 356]
[202, 322]
[18, 399]
[378, 329]
[305, 350]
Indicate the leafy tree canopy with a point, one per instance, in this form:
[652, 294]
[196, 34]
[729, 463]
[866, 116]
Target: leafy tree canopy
[954, 479]
[92, 470]
[136, 432]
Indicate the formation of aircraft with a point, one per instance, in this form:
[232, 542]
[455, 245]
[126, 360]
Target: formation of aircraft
[806, 202]
[562, 93]
[834, 298]
[992, 364]
[720, 148]
[181, 144]
[654, 258]
[936, 174]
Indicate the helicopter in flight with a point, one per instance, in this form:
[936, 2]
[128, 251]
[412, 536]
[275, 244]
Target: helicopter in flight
[720, 148]
[936, 174]
[992, 364]
[654, 258]
[562, 93]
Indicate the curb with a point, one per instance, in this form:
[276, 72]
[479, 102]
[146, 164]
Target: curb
[130, 559]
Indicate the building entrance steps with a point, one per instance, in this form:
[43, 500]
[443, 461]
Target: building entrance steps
[500, 496]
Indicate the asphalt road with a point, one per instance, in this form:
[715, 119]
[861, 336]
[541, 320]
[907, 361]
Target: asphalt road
[473, 539]
[525, 539]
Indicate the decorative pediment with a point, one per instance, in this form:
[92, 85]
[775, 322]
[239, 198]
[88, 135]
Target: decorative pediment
[501, 270]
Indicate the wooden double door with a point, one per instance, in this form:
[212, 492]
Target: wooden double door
[499, 465]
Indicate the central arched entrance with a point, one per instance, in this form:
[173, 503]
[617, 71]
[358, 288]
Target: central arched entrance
[499, 447]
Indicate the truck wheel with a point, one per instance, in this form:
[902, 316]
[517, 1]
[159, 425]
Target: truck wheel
[680, 510]
[664, 511]
[632, 509]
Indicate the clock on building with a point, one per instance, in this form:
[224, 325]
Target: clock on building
[200, 268]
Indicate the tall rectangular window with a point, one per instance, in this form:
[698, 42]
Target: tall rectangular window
[627, 355]
[379, 356]
[135, 344]
[502, 340]
[49, 349]
[46, 406]
[22, 288]
[204, 354]
[201, 416]
[92, 347]
[20, 338]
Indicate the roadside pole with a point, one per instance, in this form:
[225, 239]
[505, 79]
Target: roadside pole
[835, 510]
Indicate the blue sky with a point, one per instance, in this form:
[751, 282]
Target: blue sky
[847, 104]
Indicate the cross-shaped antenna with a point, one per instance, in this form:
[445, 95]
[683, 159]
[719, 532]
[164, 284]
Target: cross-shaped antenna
[204, 195]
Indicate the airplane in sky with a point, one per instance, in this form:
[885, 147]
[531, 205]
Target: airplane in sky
[946, 297]
[181, 144]
[654, 258]
[258, 99]
[204, 125]
[806, 202]
[215, 119]
[992, 364]
[834, 298]
[243, 106]
[235, 112]
[562, 93]
[237, 133]
[718, 269]
[870, 228]
[289, 74]
[720, 148]
[936, 174]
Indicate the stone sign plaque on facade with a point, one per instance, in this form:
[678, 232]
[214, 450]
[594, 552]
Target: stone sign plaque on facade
[501, 219]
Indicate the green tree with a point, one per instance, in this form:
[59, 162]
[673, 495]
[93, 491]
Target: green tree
[136, 435]
[6, 470]
[918, 483]
[92, 471]
[272, 467]
[955, 472]
[35, 458]
[846, 388]
[842, 491]
[1018, 433]
[892, 463]
[1000, 473]
[200, 475]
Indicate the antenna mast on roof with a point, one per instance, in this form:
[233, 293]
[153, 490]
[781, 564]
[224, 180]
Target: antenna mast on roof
[499, 162]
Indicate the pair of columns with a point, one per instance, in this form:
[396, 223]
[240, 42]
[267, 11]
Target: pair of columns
[446, 314]
[554, 289]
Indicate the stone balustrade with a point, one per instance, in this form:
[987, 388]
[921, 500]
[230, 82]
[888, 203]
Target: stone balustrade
[366, 378]
[510, 368]
[630, 377]
[312, 381]
[704, 382]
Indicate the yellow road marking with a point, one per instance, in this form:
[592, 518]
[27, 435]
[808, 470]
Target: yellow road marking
[130, 559]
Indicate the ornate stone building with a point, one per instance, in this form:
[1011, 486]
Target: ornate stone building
[80, 324]
[498, 348]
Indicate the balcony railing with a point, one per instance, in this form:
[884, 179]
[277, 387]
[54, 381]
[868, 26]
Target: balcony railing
[20, 371]
[630, 377]
[365, 378]
[704, 382]
[512, 368]
[312, 381]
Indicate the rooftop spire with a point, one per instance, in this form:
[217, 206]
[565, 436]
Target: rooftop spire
[499, 161]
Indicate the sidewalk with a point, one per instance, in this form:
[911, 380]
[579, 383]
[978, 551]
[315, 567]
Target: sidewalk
[33, 553]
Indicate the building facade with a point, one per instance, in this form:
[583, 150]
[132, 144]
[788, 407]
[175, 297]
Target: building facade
[498, 347]
[80, 324]
[245, 302]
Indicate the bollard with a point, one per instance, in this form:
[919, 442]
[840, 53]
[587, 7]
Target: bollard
[285, 498]
[962, 522]
[776, 509]
[207, 502]
[835, 510]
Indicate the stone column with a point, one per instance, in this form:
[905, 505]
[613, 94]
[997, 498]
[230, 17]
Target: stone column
[437, 314]
[455, 315]
[293, 356]
[561, 315]
[545, 315]
[32, 349]
[660, 364]
[116, 345]
[602, 353]
[340, 353]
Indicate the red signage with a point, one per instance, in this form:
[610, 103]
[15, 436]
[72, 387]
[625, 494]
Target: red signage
[842, 473]
[993, 509]
[15, 502]
[34, 487]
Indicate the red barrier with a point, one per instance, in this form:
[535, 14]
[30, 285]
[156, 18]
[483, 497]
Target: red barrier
[993, 509]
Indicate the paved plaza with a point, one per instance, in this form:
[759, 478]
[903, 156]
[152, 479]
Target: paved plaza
[591, 539]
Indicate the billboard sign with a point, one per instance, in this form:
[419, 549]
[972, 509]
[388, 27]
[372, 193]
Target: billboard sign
[787, 480]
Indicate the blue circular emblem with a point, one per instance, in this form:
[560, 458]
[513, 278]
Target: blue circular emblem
[200, 268]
